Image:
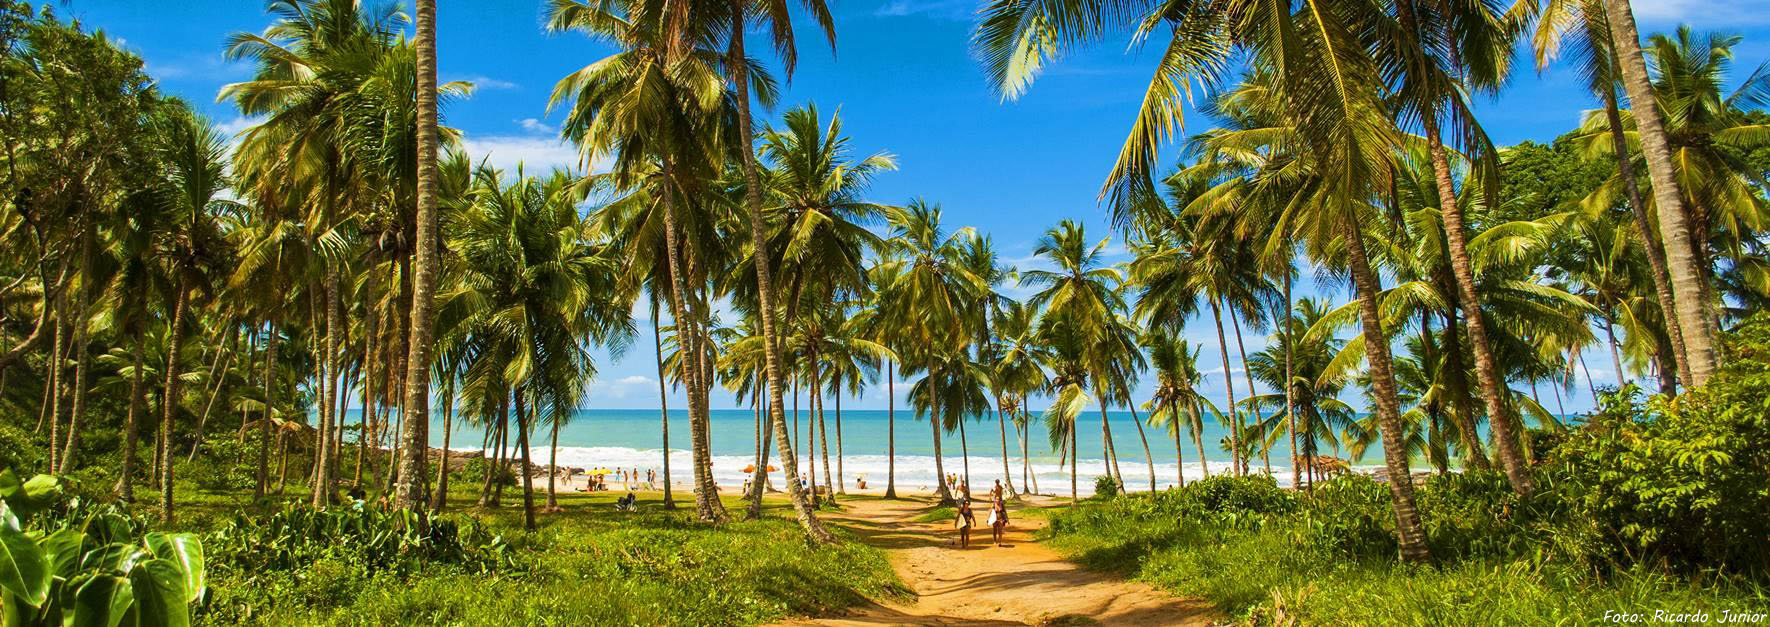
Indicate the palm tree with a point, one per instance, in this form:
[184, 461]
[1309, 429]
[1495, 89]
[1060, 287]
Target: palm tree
[416, 405]
[1687, 275]
[1017, 371]
[931, 291]
[737, 19]
[191, 248]
[1178, 404]
[1083, 293]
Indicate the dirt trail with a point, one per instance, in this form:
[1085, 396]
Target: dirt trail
[1021, 582]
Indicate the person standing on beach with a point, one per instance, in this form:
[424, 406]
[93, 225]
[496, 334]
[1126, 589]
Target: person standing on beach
[966, 520]
[998, 518]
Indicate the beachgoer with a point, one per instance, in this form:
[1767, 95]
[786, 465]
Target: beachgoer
[995, 493]
[966, 520]
[998, 519]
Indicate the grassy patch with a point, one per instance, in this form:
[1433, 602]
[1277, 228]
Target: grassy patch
[944, 513]
[587, 564]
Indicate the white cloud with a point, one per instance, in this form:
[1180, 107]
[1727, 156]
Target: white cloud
[486, 82]
[637, 379]
[533, 125]
[950, 9]
[1702, 13]
[233, 127]
[539, 155]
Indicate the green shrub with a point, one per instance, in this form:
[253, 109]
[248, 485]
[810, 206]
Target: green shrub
[1348, 517]
[1106, 487]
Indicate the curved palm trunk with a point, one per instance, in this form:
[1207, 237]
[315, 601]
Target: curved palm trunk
[1075, 455]
[169, 398]
[1148, 459]
[82, 331]
[811, 412]
[823, 446]
[1229, 387]
[132, 431]
[1486, 371]
[1198, 437]
[1027, 476]
[657, 338]
[890, 431]
[1643, 228]
[1248, 373]
[1687, 276]
[1411, 533]
[1112, 456]
[759, 482]
[367, 420]
[329, 419]
[1615, 359]
[409, 493]
[740, 81]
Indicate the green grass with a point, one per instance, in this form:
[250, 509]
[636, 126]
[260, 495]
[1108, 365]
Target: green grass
[944, 513]
[587, 564]
[1265, 576]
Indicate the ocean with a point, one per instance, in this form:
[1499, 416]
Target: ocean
[632, 438]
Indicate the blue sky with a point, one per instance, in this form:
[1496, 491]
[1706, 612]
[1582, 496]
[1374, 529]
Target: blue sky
[905, 83]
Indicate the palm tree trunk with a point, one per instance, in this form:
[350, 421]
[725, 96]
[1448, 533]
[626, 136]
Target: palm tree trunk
[553, 468]
[1228, 386]
[132, 428]
[1411, 534]
[82, 331]
[1687, 277]
[1615, 359]
[811, 413]
[1002, 430]
[1643, 228]
[687, 345]
[441, 501]
[965, 455]
[759, 480]
[944, 495]
[1026, 473]
[1111, 452]
[367, 420]
[1198, 437]
[657, 338]
[59, 375]
[1486, 370]
[740, 82]
[1248, 374]
[522, 440]
[52, 369]
[1075, 455]
[217, 373]
[823, 447]
[1459, 389]
[1290, 403]
[264, 427]
[169, 398]
[1179, 452]
[1147, 457]
[495, 462]
[841, 477]
[425, 266]
[329, 418]
[890, 430]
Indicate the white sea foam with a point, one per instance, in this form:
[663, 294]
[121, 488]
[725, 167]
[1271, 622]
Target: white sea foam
[913, 472]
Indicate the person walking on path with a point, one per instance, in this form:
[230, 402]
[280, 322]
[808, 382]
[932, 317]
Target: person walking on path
[966, 520]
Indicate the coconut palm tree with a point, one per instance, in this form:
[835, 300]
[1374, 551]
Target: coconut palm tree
[1017, 371]
[1177, 404]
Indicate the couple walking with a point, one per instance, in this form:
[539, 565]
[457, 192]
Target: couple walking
[998, 517]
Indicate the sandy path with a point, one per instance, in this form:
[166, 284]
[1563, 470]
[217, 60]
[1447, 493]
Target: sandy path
[1020, 583]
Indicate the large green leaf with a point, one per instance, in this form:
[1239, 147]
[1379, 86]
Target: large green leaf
[24, 571]
[29, 497]
[185, 550]
[102, 601]
[63, 550]
[160, 598]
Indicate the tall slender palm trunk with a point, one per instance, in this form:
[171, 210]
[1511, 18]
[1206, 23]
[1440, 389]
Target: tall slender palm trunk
[1229, 387]
[1002, 430]
[890, 430]
[1148, 459]
[1687, 276]
[1111, 452]
[688, 345]
[1458, 386]
[1486, 370]
[657, 338]
[1410, 532]
[1179, 451]
[132, 427]
[1290, 374]
[416, 406]
[1248, 374]
[965, 457]
[823, 445]
[522, 440]
[1643, 229]
[944, 495]
[759, 482]
[740, 82]
[1198, 438]
[841, 478]
[82, 331]
[441, 501]
[270, 396]
[553, 469]
[169, 398]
